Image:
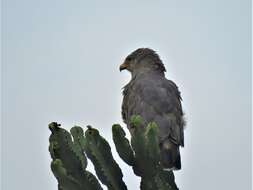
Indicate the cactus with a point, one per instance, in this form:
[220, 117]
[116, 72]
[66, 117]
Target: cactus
[146, 161]
[69, 151]
[69, 162]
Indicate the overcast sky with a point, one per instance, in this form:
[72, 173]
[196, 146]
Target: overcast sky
[60, 63]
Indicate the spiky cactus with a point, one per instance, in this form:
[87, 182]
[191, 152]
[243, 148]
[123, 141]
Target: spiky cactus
[142, 153]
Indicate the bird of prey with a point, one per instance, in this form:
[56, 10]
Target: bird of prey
[156, 99]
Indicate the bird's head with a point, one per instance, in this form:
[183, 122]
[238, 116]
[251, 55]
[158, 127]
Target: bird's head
[143, 60]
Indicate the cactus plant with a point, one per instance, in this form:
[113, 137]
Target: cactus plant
[69, 152]
[146, 161]
[69, 162]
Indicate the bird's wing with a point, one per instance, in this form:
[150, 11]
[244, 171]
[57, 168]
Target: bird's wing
[160, 101]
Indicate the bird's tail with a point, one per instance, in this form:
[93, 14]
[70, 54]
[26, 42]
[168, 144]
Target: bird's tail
[170, 155]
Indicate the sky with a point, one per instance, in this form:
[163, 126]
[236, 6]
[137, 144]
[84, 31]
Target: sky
[60, 62]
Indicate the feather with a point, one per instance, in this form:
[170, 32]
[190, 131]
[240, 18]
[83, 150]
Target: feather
[156, 99]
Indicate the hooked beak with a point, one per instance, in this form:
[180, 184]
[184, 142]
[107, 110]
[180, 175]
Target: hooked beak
[123, 67]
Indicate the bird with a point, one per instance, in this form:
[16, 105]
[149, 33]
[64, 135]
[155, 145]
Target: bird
[156, 99]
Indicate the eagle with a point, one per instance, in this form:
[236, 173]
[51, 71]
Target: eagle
[156, 99]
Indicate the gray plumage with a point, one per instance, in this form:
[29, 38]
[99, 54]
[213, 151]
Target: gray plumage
[153, 97]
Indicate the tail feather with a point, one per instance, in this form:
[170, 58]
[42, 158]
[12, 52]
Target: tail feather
[170, 155]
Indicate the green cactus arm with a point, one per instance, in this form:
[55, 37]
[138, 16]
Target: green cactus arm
[169, 178]
[62, 147]
[149, 184]
[65, 182]
[99, 152]
[151, 134]
[163, 180]
[122, 144]
[152, 148]
[72, 160]
[145, 144]
[138, 143]
[78, 139]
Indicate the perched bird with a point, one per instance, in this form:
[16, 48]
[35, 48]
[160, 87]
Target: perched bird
[153, 97]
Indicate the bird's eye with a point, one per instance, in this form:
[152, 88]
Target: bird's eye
[128, 59]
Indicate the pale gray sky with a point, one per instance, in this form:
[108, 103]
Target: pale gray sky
[60, 63]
